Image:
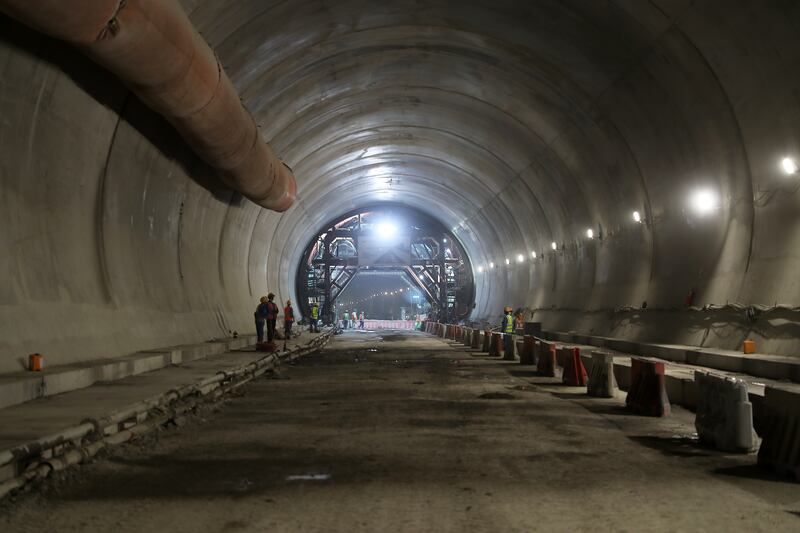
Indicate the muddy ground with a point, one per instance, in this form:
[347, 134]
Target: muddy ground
[402, 432]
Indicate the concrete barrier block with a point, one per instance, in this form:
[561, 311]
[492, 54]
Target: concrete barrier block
[602, 382]
[724, 416]
[647, 394]
[546, 360]
[780, 448]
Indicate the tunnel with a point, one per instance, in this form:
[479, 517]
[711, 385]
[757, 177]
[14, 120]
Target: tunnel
[517, 125]
[620, 170]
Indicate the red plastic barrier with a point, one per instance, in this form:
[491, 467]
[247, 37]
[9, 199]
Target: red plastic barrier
[266, 347]
[574, 372]
[476, 339]
[496, 348]
[526, 354]
[648, 391]
[487, 341]
[546, 361]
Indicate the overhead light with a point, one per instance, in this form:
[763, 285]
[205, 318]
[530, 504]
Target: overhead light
[553, 245]
[386, 229]
[704, 201]
[491, 265]
[637, 217]
[508, 261]
[444, 241]
[533, 255]
[789, 165]
[480, 270]
[520, 258]
[590, 233]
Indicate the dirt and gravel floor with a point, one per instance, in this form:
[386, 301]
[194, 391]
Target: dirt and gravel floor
[398, 431]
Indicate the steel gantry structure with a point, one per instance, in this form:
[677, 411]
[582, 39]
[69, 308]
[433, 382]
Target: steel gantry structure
[419, 246]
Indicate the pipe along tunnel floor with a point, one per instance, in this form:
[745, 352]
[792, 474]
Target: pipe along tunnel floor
[400, 431]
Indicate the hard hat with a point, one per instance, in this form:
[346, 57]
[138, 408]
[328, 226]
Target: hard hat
[507, 309]
[288, 302]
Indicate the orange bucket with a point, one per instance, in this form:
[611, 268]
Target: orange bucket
[35, 362]
[749, 347]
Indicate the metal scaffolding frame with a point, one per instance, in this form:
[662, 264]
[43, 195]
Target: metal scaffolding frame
[435, 262]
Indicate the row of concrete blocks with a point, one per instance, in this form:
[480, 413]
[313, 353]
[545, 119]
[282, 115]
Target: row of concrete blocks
[724, 412]
[21, 387]
[487, 340]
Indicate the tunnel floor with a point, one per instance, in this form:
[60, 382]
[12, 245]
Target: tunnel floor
[399, 431]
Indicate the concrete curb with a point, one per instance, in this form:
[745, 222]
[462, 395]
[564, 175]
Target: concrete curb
[763, 366]
[76, 444]
[21, 387]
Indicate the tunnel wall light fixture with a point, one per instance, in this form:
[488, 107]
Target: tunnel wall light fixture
[704, 201]
[590, 234]
[637, 217]
[491, 265]
[533, 255]
[508, 261]
[790, 166]
[520, 258]
[554, 246]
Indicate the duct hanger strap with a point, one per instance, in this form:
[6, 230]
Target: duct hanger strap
[112, 28]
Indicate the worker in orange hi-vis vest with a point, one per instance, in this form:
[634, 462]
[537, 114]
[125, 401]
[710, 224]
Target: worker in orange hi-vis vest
[288, 319]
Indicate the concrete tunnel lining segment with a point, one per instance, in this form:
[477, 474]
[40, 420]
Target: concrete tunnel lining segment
[515, 123]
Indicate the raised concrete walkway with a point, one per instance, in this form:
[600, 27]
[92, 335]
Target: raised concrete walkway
[24, 386]
[43, 427]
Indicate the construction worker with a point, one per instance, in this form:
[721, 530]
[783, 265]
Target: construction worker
[272, 317]
[346, 320]
[361, 320]
[288, 319]
[508, 331]
[262, 311]
[314, 318]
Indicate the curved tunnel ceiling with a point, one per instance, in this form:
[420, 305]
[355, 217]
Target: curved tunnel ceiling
[516, 124]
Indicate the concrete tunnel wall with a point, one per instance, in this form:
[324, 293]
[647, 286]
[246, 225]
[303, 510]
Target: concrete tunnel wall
[515, 123]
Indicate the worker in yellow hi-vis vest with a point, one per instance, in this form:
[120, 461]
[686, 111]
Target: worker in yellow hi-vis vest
[314, 318]
[508, 332]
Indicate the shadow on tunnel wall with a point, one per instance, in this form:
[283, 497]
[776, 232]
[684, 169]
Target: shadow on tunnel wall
[111, 93]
